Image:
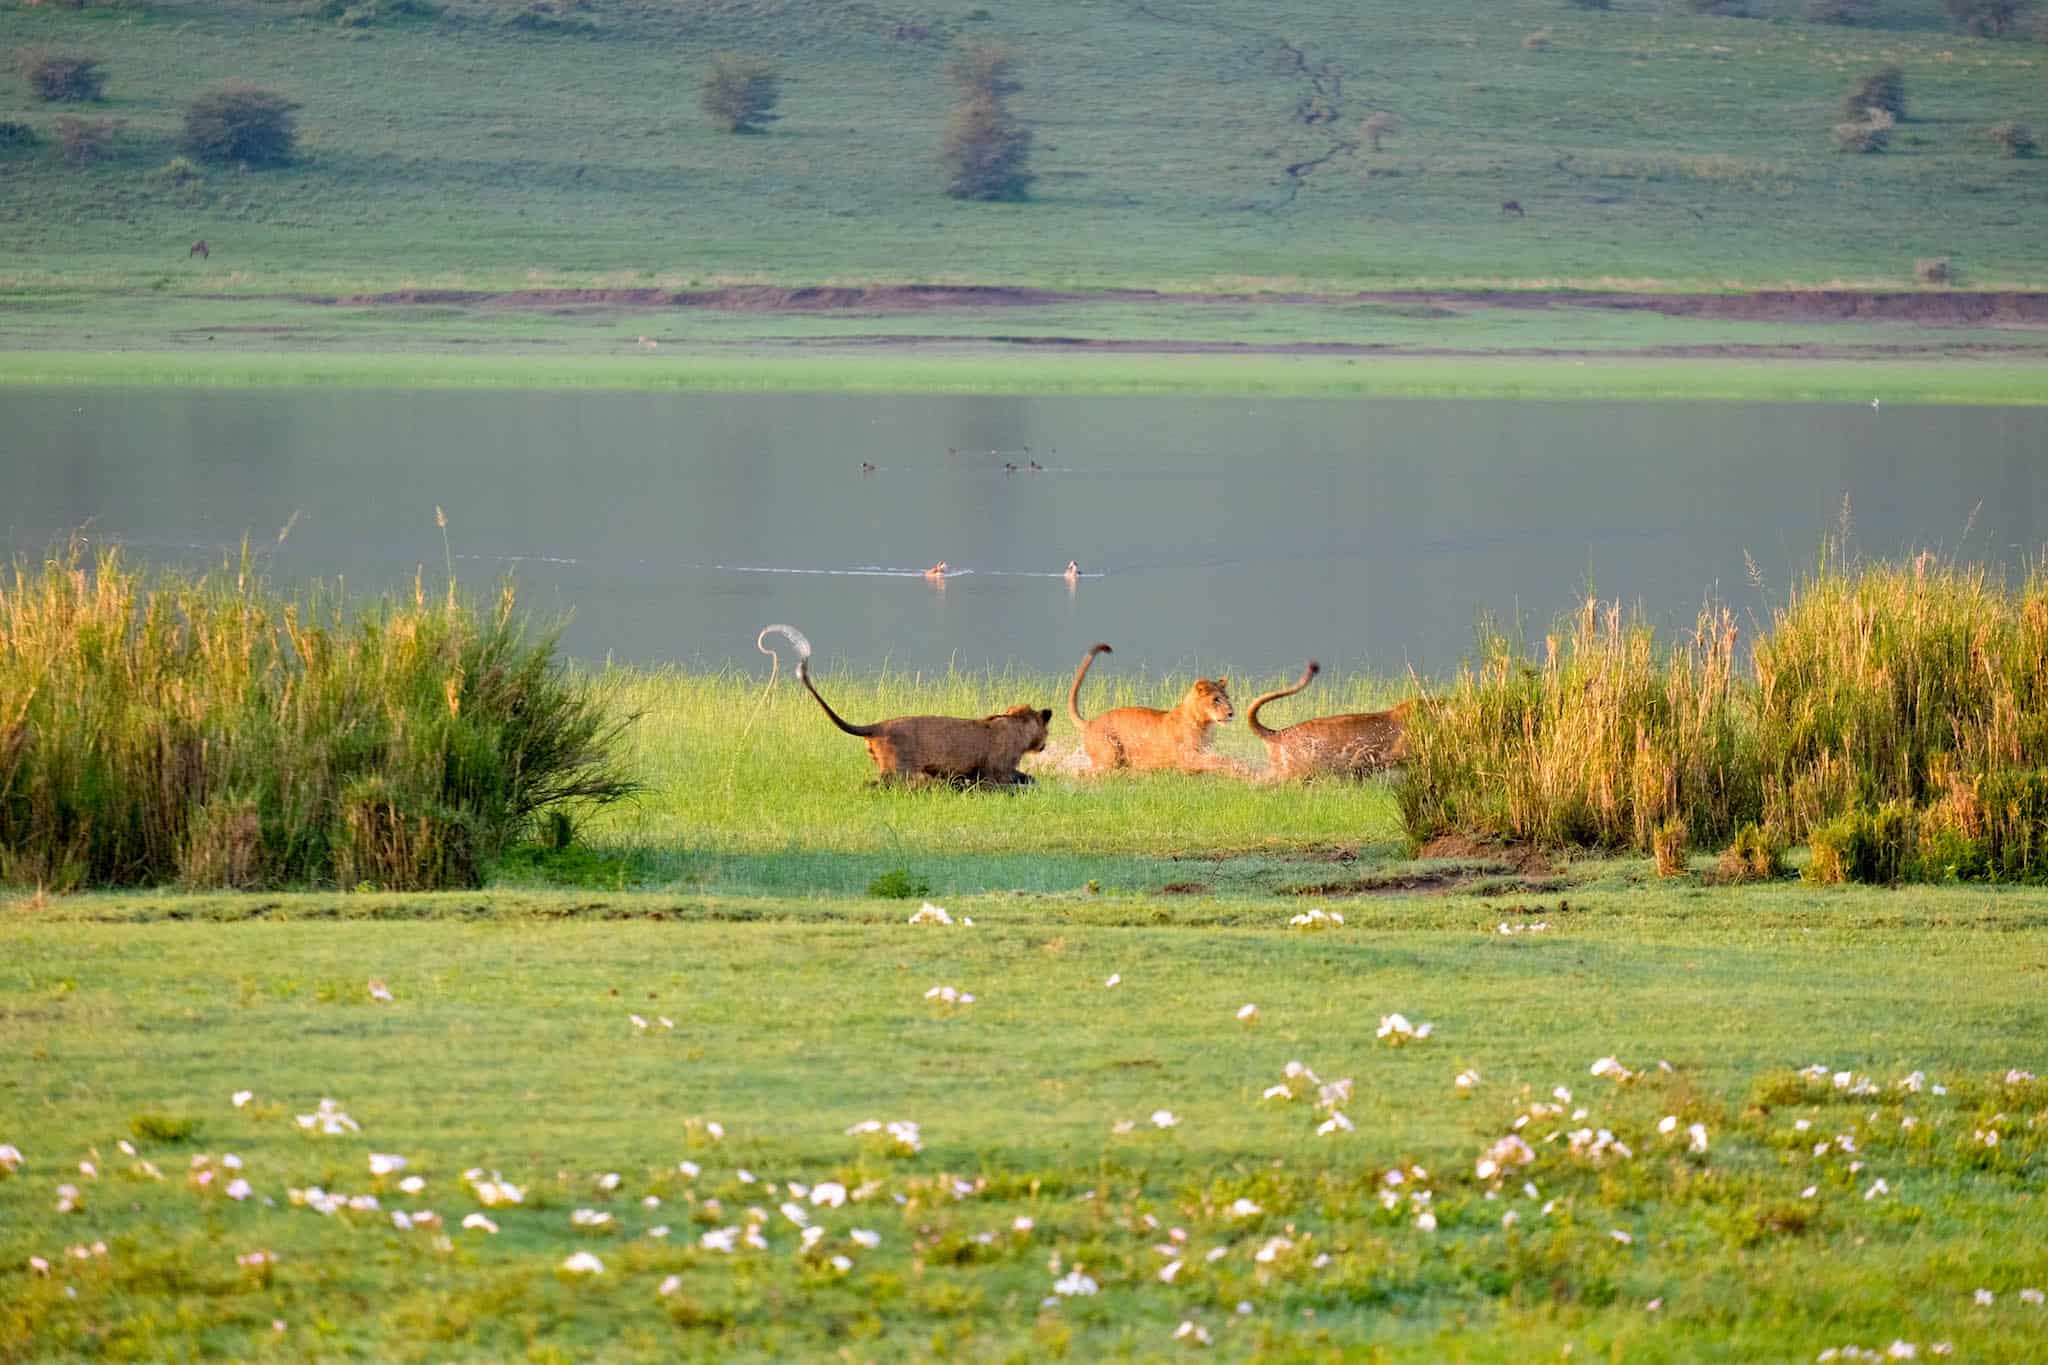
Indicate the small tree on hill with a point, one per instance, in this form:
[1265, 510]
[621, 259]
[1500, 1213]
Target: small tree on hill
[61, 76]
[987, 152]
[1838, 11]
[1883, 90]
[1986, 18]
[740, 93]
[232, 123]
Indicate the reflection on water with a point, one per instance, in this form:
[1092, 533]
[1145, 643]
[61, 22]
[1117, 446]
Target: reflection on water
[1370, 533]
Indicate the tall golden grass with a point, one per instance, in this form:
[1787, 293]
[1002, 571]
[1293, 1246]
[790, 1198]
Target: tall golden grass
[1894, 714]
[209, 731]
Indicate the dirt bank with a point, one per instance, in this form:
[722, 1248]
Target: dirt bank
[1928, 308]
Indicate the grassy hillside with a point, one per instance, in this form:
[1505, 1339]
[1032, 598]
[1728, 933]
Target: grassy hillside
[499, 145]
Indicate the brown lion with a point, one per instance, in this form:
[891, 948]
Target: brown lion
[1143, 737]
[916, 749]
[1346, 746]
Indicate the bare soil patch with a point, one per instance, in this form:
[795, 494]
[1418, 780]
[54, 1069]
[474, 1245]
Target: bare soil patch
[1928, 307]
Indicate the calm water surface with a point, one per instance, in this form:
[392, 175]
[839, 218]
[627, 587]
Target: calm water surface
[1371, 533]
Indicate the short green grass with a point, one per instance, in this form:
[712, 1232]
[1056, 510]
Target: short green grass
[1832, 381]
[509, 1045]
[1648, 145]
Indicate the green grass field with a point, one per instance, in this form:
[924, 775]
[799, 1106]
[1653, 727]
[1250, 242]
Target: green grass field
[1649, 146]
[732, 908]
[509, 1046]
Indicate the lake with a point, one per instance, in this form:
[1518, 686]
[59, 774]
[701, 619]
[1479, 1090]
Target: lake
[1210, 532]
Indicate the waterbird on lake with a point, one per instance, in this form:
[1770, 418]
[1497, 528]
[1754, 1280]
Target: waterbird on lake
[1009, 468]
[866, 468]
[1035, 467]
[1873, 402]
[1073, 572]
[937, 572]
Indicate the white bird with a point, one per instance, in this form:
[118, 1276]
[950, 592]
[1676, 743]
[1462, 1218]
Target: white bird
[1873, 402]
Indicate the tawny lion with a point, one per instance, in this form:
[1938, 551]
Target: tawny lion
[913, 749]
[1143, 737]
[1348, 746]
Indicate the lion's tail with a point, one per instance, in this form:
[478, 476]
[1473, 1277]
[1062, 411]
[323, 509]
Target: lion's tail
[1074, 692]
[1251, 716]
[803, 674]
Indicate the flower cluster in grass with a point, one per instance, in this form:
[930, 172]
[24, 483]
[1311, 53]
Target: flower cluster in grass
[208, 731]
[1893, 714]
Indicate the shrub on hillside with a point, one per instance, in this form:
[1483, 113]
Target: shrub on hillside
[364, 13]
[158, 730]
[1380, 124]
[231, 123]
[1873, 134]
[1882, 91]
[1591, 4]
[1934, 270]
[740, 93]
[64, 76]
[1729, 9]
[2013, 138]
[987, 152]
[1987, 18]
[16, 137]
[1838, 11]
[84, 141]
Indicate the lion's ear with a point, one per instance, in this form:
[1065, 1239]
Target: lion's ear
[1046, 715]
[1222, 684]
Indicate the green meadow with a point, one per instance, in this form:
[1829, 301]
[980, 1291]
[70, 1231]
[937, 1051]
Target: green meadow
[495, 145]
[1096, 1163]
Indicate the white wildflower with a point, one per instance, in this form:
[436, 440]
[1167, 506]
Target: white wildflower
[1164, 1118]
[380, 991]
[1336, 1123]
[384, 1163]
[1248, 1013]
[1075, 1282]
[242, 1097]
[669, 1286]
[477, 1222]
[1115, 979]
[583, 1263]
[931, 914]
[1244, 1208]
[1168, 1271]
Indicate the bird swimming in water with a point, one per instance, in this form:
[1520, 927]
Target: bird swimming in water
[1073, 572]
[866, 468]
[937, 572]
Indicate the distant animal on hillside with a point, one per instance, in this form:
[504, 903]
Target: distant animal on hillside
[919, 749]
[1147, 738]
[1510, 208]
[1351, 745]
[200, 250]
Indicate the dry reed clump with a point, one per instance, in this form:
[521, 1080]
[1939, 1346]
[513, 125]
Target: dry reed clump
[1923, 683]
[1754, 856]
[208, 732]
[1601, 743]
[1668, 848]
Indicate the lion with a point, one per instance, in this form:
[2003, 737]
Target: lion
[916, 749]
[1146, 738]
[1352, 745]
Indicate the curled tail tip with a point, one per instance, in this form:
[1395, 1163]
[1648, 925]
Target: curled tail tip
[1100, 648]
[1314, 668]
[791, 633]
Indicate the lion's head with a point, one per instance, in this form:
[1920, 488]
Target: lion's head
[1211, 698]
[1026, 724]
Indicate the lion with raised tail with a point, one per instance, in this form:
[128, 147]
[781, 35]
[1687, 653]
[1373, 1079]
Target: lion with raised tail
[1353, 745]
[914, 749]
[1144, 737]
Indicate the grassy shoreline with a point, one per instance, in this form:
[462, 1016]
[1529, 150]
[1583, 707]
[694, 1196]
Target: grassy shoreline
[1475, 377]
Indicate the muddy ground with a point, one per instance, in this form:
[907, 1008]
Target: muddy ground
[1906, 309]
